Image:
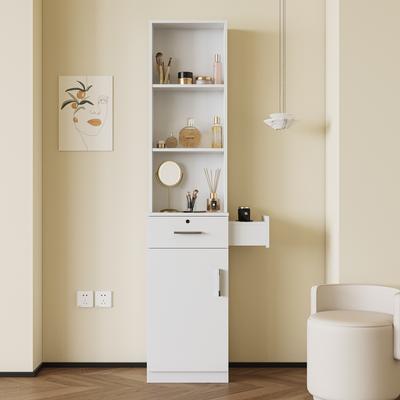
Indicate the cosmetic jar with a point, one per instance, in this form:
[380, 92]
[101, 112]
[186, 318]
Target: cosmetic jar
[185, 78]
[161, 144]
[244, 214]
[204, 80]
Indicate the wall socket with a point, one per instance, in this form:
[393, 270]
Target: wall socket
[84, 298]
[103, 298]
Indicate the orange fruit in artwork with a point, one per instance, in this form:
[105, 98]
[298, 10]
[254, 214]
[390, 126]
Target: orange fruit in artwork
[74, 106]
[81, 95]
[94, 122]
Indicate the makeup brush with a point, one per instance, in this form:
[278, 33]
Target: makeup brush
[168, 73]
[159, 58]
[160, 68]
[194, 197]
[188, 201]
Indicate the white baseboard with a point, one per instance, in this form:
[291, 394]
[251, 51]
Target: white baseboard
[187, 377]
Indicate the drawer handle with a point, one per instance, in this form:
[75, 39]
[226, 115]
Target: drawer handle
[188, 232]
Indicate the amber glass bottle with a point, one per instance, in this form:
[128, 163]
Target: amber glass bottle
[189, 136]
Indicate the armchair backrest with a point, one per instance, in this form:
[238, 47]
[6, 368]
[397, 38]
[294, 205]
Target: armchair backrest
[353, 297]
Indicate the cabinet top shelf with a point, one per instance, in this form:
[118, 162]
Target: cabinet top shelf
[188, 24]
[188, 150]
[176, 87]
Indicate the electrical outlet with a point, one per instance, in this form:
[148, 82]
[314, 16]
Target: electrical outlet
[84, 298]
[103, 298]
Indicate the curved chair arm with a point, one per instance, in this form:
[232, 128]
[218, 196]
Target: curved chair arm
[396, 324]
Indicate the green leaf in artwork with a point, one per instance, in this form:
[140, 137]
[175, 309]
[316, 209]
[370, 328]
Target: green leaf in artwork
[73, 88]
[72, 96]
[79, 108]
[66, 102]
[85, 102]
[83, 86]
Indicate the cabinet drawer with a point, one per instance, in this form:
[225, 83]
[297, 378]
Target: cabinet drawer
[188, 232]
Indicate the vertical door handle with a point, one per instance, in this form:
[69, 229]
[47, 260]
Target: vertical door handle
[218, 273]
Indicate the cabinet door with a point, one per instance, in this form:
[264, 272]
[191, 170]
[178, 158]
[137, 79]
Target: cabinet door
[188, 310]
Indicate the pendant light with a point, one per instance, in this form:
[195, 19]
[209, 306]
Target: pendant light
[281, 120]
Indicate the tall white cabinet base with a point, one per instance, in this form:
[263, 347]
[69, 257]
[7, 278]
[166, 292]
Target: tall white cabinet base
[187, 377]
[187, 299]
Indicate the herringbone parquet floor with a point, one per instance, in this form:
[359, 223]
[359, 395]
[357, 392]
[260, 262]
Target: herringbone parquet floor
[130, 384]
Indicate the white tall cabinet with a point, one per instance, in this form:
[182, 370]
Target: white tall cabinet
[187, 271]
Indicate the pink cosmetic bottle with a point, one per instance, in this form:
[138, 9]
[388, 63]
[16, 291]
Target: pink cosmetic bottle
[217, 69]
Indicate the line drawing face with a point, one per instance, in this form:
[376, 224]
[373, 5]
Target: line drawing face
[87, 110]
[90, 119]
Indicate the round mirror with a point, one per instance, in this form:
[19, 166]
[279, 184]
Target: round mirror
[169, 173]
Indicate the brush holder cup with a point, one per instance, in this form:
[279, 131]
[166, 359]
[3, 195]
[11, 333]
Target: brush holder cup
[213, 203]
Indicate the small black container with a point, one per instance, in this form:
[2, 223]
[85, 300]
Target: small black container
[185, 77]
[244, 214]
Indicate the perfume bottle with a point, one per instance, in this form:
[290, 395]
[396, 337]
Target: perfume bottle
[171, 141]
[189, 136]
[213, 203]
[216, 130]
[217, 69]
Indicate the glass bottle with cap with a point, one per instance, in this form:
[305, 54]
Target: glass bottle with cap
[217, 69]
[189, 136]
[216, 130]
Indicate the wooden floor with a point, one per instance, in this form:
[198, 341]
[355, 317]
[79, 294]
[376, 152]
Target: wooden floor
[130, 384]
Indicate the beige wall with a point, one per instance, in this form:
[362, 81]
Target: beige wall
[368, 160]
[332, 103]
[20, 231]
[95, 203]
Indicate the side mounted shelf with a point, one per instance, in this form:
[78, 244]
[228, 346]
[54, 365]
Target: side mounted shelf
[249, 233]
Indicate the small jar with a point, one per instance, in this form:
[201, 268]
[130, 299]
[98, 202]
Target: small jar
[185, 78]
[244, 214]
[204, 80]
[161, 144]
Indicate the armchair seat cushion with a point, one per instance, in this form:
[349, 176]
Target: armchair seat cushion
[354, 319]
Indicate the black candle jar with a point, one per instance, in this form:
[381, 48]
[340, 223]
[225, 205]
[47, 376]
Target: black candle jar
[244, 214]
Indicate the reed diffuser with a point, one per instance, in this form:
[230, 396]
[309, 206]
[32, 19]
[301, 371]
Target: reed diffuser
[213, 203]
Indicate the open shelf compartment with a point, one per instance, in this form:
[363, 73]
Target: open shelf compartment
[254, 233]
[192, 46]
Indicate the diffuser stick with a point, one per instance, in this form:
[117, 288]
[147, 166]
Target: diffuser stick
[212, 178]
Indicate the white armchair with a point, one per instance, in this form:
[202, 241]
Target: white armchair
[353, 343]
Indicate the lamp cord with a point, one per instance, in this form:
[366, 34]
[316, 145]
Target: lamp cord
[282, 56]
